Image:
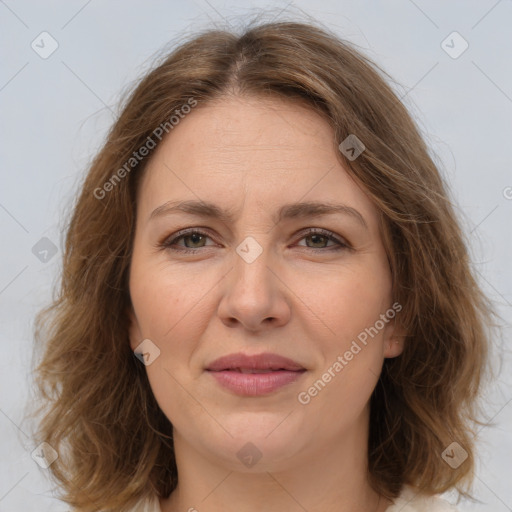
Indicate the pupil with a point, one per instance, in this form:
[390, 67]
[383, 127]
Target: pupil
[196, 238]
[315, 238]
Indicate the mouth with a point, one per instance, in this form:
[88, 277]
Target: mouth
[258, 363]
[255, 375]
[250, 370]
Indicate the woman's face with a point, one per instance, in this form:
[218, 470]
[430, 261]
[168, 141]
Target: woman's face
[264, 275]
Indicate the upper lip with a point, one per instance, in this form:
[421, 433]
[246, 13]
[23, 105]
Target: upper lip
[265, 361]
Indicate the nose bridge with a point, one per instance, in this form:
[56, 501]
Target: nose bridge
[254, 251]
[252, 294]
[252, 261]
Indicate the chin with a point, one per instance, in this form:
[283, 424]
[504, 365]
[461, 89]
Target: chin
[258, 442]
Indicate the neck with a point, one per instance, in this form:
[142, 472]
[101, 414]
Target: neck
[323, 478]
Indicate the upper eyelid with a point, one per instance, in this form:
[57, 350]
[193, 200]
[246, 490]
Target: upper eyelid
[188, 231]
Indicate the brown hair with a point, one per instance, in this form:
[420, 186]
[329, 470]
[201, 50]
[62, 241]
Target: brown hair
[98, 410]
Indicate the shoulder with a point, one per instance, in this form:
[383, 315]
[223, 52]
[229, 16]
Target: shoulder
[411, 501]
[408, 501]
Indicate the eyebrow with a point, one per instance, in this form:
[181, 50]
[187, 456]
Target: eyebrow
[287, 211]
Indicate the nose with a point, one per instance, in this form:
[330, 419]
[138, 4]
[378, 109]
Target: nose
[254, 297]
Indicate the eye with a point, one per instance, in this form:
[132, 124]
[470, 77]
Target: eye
[319, 237]
[193, 239]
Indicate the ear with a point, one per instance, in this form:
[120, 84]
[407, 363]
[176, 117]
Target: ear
[394, 347]
[134, 331]
[394, 339]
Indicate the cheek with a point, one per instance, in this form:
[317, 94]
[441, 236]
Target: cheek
[169, 301]
[173, 395]
[172, 311]
[350, 306]
[347, 301]
[352, 351]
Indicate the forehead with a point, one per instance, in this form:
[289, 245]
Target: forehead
[240, 150]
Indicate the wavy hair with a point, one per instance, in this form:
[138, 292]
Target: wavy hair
[97, 408]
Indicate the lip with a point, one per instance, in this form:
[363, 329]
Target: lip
[265, 361]
[274, 372]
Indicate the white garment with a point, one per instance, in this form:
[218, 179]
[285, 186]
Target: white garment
[408, 501]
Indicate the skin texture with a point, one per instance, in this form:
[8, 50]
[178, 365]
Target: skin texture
[299, 298]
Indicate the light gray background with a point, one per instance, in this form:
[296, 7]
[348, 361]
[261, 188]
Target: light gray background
[55, 113]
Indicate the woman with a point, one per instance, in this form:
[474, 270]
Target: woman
[266, 298]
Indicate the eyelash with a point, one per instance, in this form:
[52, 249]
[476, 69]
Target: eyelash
[169, 242]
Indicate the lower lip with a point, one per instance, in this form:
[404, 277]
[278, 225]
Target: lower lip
[255, 384]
